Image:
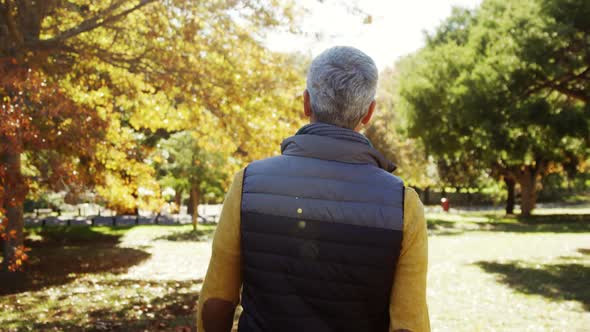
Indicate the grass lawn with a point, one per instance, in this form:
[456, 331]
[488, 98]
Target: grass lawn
[487, 273]
[492, 273]
[108, 278]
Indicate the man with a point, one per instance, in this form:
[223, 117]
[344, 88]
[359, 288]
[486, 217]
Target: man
[323, 237]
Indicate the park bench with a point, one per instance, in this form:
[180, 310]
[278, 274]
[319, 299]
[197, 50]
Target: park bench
[123, 220]
[104, 221]
[57, 221]
[53, 221]
[126, 220]
[120, 220]
[44, 212]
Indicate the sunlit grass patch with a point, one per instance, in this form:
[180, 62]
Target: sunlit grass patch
[63, 235]
[456, 223]
[102, 302]
[509, 281]
[78, 280]
[202, 234]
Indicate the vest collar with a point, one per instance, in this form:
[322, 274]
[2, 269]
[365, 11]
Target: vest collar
[329, 142]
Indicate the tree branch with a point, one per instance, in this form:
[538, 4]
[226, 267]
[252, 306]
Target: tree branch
[11, 25]
[560, 85]
[92, 23]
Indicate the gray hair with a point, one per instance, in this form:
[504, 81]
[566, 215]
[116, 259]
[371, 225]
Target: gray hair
[342, 82]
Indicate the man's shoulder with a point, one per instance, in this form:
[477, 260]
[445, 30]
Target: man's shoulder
[411, 196]
[413, 211]
[390, 177]
[286, 163]
[266, 160]
[266, 165]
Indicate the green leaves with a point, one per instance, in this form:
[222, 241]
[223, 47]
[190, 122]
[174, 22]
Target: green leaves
[502, 87]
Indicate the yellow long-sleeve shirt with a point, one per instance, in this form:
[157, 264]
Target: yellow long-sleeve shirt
[408, 309]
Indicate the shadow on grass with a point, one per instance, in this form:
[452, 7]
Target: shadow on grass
[557, 223]
[73, 235]
[555, 218]
[199, 235]
[554, 281]
[63, 254]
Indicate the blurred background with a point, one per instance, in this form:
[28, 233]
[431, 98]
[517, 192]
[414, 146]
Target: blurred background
[122, 123]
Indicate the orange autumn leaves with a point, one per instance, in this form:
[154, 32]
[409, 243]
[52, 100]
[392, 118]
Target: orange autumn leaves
[20, 252]
[46, 134]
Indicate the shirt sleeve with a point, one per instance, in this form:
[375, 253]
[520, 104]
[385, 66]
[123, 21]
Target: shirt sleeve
[408, 309]
[223, 279]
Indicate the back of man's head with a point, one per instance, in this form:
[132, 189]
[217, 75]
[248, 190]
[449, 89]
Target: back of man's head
[342, 82]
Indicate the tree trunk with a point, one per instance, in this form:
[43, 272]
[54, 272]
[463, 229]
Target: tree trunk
[528, 191]
[189, 207]
[178, 199]
[194, 204]
[135, 196]
[510, 184]
[14, 193]
[426, 196]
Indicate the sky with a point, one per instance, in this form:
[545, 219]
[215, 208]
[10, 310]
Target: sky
[397, 26]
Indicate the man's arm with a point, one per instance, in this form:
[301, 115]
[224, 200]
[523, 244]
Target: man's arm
[221, 289]
[408, 309]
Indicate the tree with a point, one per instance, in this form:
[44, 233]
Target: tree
[477, 96]
[37, 115]
[73, 74]
[129, 182]
[386, 133]
[189, 168]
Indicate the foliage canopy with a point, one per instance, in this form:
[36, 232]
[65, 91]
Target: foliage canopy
[504, 88]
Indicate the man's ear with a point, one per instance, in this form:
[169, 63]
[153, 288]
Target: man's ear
[306, 104]
[369, 114]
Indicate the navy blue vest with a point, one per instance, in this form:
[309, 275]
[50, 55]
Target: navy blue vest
[321, 230]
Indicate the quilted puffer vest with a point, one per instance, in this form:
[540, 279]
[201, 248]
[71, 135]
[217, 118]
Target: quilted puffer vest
[321, 231]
